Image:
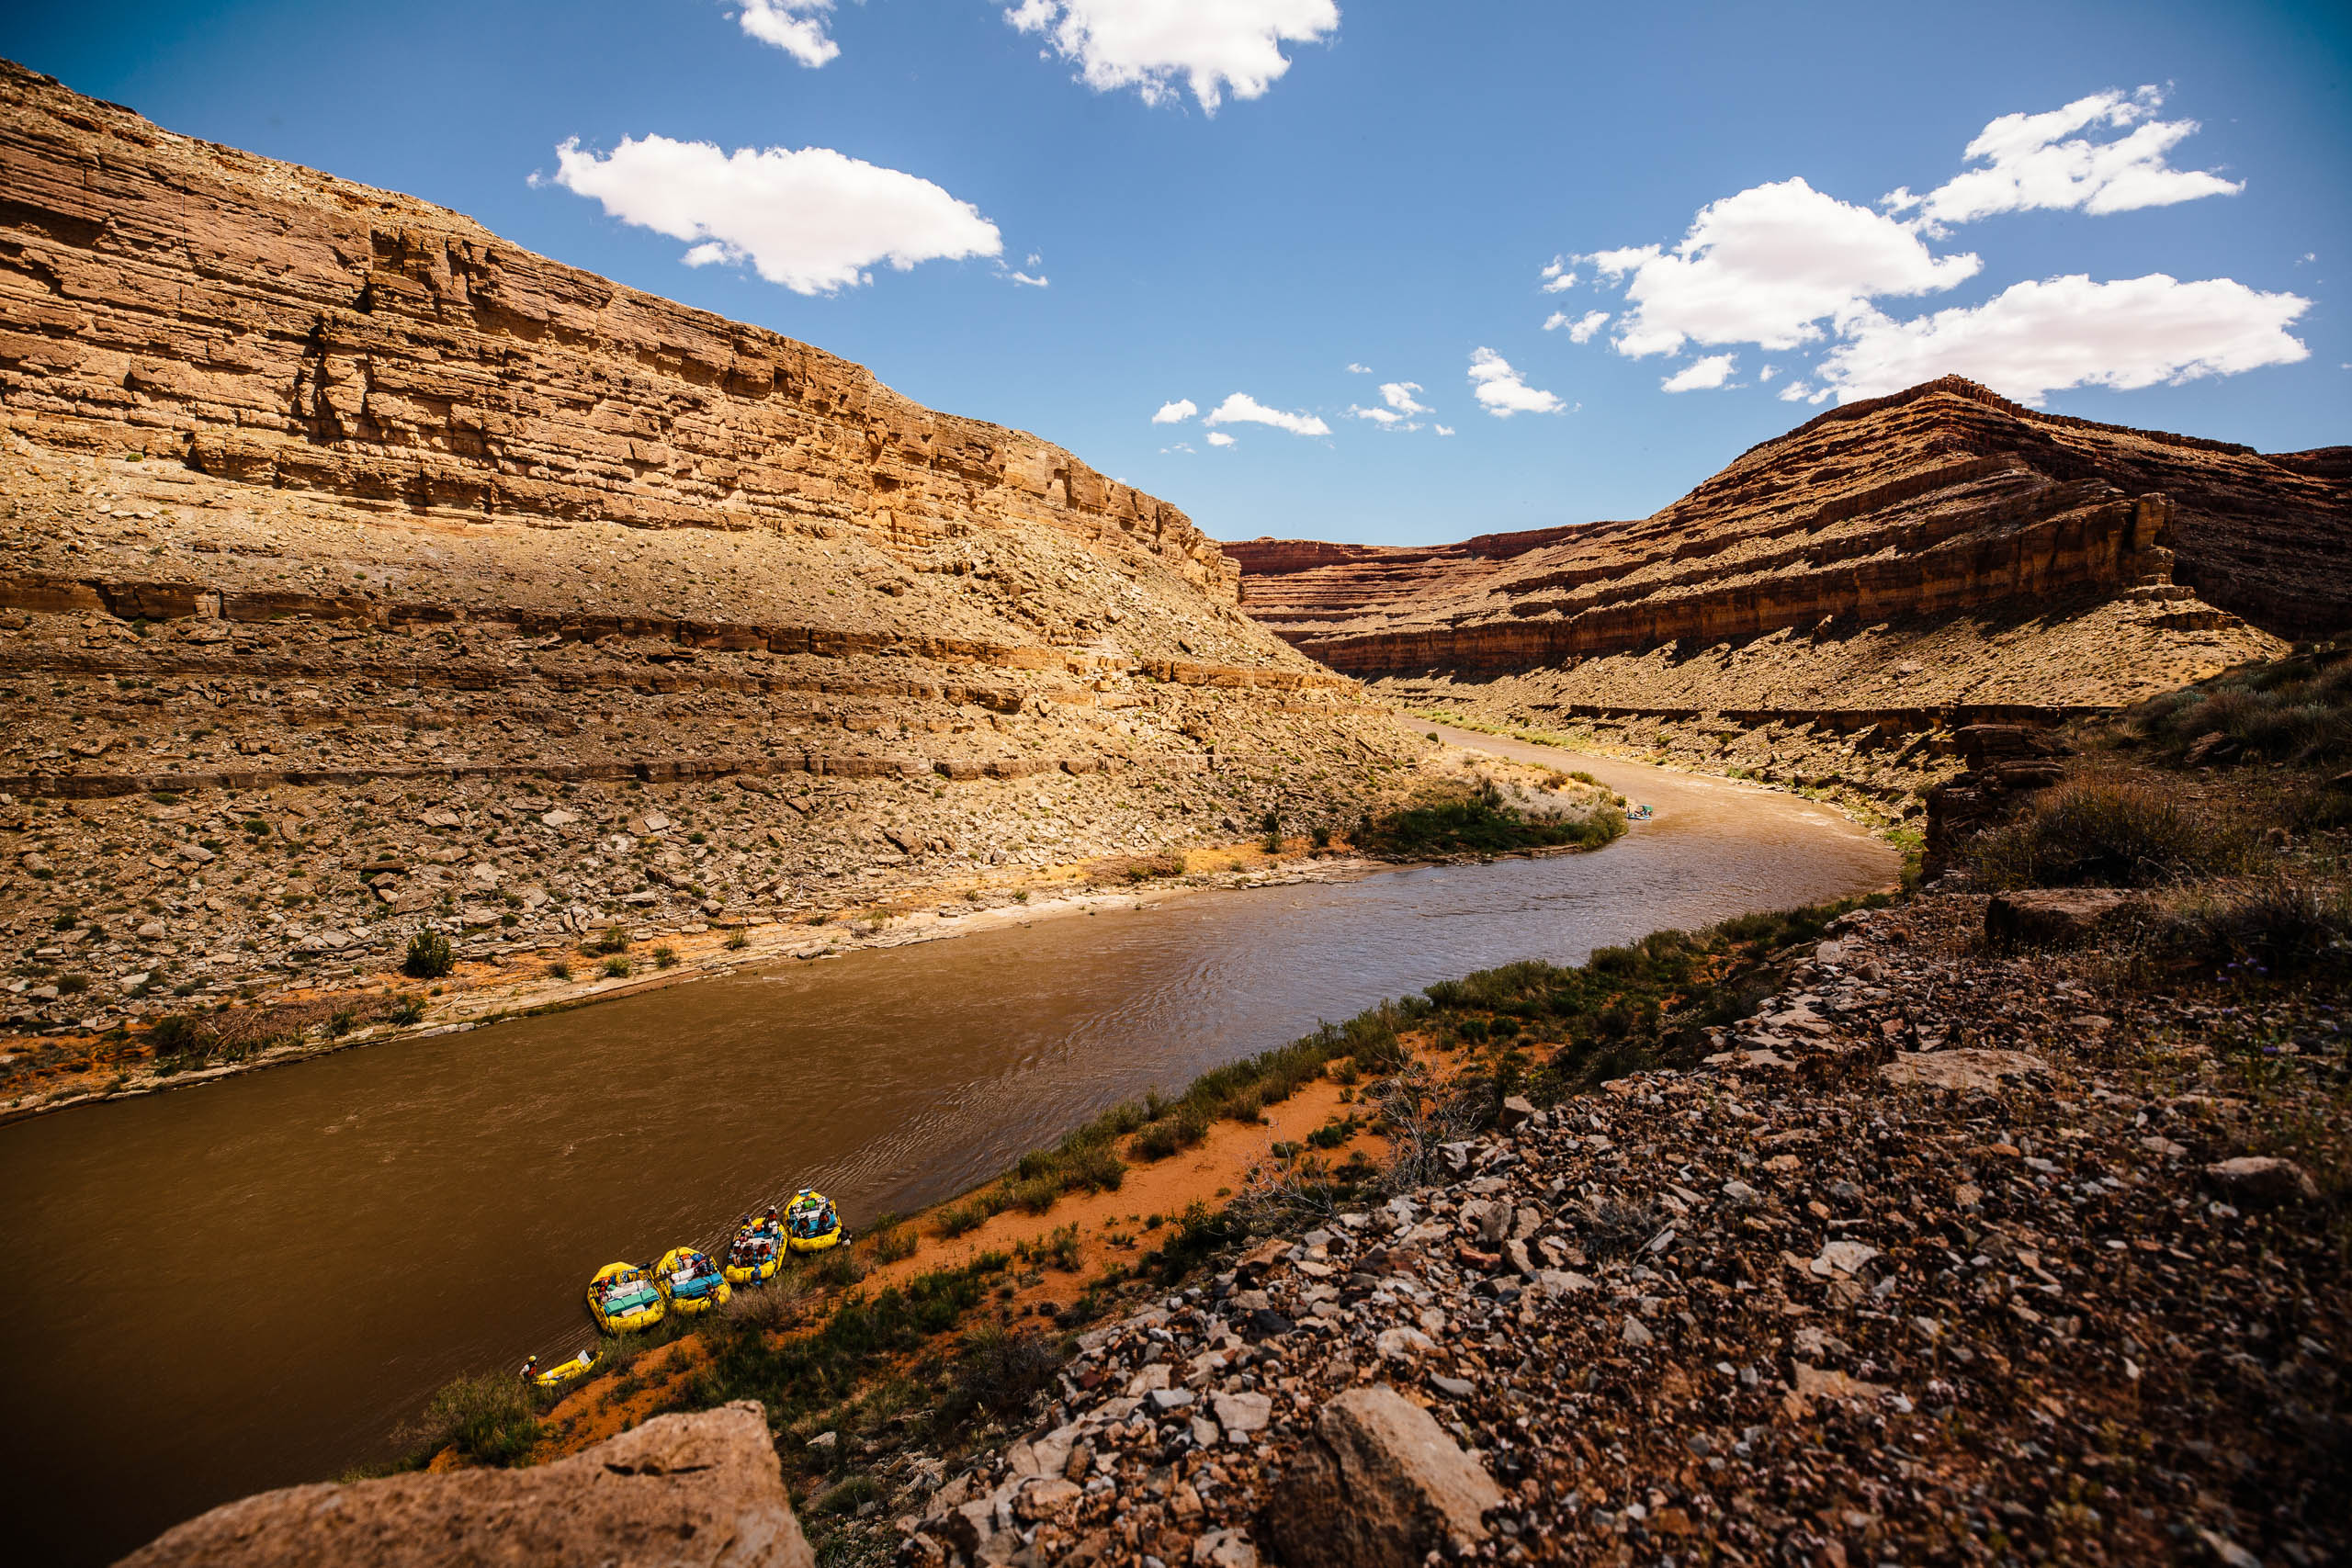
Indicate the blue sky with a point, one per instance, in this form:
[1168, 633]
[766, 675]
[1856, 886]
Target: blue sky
[1379, 185]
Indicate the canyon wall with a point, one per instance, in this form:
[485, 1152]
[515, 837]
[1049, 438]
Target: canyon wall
[361, 572]
[1896, 565]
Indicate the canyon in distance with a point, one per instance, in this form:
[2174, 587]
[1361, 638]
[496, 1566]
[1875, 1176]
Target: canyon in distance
[1923, 1137]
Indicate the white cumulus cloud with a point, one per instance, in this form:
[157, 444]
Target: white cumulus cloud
[1402, 405]
[1176, 412]
[1220, 438]
[1448, 430]
[2036, 338]
[1700, 374]
[1768, 266]
[1501, 392]
[796, 26]
[1240, 408]
[812, 220]
[1355, 369]
[1213, 46]
[1581, 328]
[1557, 277]
[2037, 161]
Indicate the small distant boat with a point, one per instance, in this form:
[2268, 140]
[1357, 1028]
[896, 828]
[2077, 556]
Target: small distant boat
[622, 1299]
[1640, 814]
[690, 1280]
[757, 1251]
[810, 1222]
[561, 1372]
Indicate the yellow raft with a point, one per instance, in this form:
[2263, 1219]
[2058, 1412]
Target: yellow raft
[690, 1280]
[757, 1251]
[810, 1222]
[623, 1300]
[562, 1371]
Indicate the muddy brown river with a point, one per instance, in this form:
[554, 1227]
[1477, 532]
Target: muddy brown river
[250, 1283]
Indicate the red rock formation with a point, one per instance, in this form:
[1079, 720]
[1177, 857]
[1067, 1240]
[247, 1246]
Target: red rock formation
[1939, 500]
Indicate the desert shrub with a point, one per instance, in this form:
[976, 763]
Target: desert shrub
[612, 939]
[666, 956]
[487, 1417]
[1178, 1131]
[429, 956]
[1056, 1249]
[2104, 834]
[893, 1244]
[616, 967]
[1482, 823]
[998, 1371]
[175, 1035]
[2277, 928]
[409, 1010]
[957, 1218]
[854, 1493]
[2297, 709]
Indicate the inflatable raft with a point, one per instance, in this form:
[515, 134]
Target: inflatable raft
[757, 1251]
[623, 1298]
[690, 1280]
[561, 1372]
[810, 1223]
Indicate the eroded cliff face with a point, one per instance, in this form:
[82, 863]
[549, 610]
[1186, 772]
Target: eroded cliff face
[275, 325]
[360, 571]
[1892, 568]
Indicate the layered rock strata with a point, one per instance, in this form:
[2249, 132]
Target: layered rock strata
[359, 572]
[1940, 500]
[1891, 569]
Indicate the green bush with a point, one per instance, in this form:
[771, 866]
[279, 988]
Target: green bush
[1482, 824]
[666, 956]
[616, 967]
[429, 956]
[487, 1417]
[612, 939]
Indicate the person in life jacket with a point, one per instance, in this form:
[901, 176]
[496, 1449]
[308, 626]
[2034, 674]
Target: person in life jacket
[530, 1368]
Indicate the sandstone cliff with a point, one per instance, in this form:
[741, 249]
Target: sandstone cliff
[474, 565]
[1943, 498]
[1891, 567]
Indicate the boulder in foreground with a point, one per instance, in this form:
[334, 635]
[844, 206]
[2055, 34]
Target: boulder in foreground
[680, 1490]
[1380, 1486]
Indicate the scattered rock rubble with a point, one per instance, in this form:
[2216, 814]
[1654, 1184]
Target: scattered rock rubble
[1944, 1257]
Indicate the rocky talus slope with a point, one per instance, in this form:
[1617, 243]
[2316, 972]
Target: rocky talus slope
[360, 571]
[1948, 1254]
[1888, 570]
